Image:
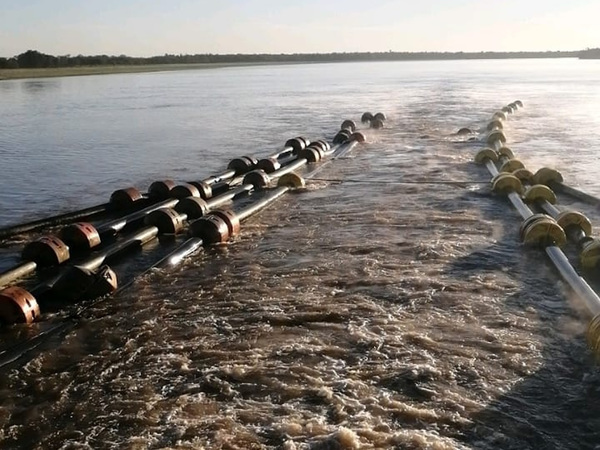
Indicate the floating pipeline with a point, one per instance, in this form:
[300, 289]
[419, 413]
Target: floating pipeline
[218, 229]
[123, 200]
[287, 181]
[83, 236]
[90, 278]
[539, 230]
[128, 199]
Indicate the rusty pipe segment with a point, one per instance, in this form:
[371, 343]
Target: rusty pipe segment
[43, 252]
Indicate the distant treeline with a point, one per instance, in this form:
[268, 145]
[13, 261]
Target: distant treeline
[34, 59]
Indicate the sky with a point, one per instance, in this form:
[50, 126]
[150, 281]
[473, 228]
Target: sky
[156, 27]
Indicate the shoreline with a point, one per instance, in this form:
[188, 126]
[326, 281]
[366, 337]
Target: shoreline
[20, 74]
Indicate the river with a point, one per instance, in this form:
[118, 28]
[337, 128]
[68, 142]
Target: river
[378, 309]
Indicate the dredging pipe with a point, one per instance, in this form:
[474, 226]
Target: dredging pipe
[128, 198]
[84, 279]
[543, 231]
[50, 251]
[219, 226]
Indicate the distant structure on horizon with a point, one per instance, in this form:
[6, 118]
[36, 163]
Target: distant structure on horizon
[34, 59]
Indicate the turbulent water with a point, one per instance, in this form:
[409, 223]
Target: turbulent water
[390, 305]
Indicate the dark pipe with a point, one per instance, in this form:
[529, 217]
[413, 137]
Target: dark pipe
[60, 219]
[574, 193]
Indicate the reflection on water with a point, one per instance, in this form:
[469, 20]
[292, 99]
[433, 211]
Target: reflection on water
[38, 86]
[377, 312]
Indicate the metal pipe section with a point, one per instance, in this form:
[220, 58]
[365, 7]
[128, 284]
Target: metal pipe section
[175, 257]
[137, 239]
[114, 226]
[577, 283]
[577, 194]
[20, 270]
[249, 210]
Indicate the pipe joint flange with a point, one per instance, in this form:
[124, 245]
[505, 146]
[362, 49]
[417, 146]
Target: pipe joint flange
[341, 137]
[311, 154]
[79, 283]
[231, 219]
[544, 232]
[529, 221]
[205, 190]
[500, 115]
[547, 176]
[590, 254]
[511, 165]
[518, 103]
[507, 109]
[18, 306]
[291, 180]
[486, 154]
[167, 220]
[348, 125]
[358, 136]
[124, 198]
[568, 218]
[211, 229]
[366, 117]
[259, 179]
[505, 183]
[495, 124]
[46, 251]
[184, 190]
[160, 190]
[539, 192]
[269, 165]
[320, 145]
[506, 151]
[524, 175]
[242, 165]
[80, 236]
[296, 143]
[496, 135]
[192, 207]
[376, 124]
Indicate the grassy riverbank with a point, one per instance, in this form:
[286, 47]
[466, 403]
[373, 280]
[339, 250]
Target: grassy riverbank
[12, 74]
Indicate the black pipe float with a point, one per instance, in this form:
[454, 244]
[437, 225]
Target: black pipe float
[17, 351]
[543, 231]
